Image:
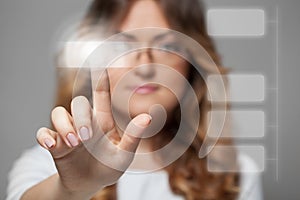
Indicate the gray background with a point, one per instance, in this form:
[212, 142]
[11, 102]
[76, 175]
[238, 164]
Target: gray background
[29, 29]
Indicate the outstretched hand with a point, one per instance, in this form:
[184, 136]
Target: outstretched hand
[84, 130]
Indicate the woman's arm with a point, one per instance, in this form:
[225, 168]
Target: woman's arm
[51, 189]
[80, 143]
[34, 176]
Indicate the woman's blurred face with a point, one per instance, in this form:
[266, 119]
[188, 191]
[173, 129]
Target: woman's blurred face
[141, 83]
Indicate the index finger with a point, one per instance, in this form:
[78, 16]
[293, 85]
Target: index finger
[101, 99]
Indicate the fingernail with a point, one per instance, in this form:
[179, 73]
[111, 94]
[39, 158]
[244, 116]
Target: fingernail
[72, 139]
[49, 143]
[144, 120]
[84, 133]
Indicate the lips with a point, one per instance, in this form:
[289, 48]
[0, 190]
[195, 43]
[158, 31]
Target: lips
[145, 89]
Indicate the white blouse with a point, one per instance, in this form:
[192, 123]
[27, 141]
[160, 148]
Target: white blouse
[36, 164]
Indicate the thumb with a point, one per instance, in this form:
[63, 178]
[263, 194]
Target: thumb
[134, 131]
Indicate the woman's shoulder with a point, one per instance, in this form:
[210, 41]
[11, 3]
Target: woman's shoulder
[34, 165]
[246, 163]
[34, 157]
[250, 178]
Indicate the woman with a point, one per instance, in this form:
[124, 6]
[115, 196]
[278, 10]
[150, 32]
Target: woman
[79, 175]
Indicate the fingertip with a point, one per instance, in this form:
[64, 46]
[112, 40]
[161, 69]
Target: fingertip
[49, 143]
[143, 120]
[72, 139]
[134, 132]
[84, 133]
[45, 139]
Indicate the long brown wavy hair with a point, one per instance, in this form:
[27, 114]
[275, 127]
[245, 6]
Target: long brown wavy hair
[189, 175]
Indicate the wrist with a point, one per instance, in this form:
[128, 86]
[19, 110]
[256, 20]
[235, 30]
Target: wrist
[68, 193]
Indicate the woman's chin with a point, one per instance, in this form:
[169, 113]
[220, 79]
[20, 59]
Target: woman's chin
[137, 111]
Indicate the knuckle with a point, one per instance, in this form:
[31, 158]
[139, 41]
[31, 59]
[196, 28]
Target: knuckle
[129, 138]
[82, 122]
